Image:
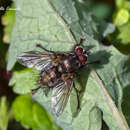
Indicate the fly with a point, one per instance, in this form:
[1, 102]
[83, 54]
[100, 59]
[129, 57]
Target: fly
[58, 71]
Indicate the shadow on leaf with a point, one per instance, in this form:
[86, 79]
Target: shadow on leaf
[82, 76]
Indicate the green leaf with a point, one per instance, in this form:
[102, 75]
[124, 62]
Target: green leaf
[124, 34]
[8, 21]
[101, 10]
[59, 25]
[3, 113]
[22, 82]
[31, 114]
[122, 17]
[120, 38]
[127, 5]
[126, 103]
[124, 39]
[119, 3]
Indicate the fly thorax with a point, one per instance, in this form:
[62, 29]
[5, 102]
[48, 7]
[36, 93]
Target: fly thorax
[67, 64]
[60, 69]
[72, 64]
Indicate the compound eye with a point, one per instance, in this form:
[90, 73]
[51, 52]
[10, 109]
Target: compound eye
[83, 58]
[79, 50]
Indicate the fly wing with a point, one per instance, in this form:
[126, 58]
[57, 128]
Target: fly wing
[60, 96]
[35, 59]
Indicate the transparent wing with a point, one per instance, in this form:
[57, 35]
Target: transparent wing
[60, 96]
[35, 59]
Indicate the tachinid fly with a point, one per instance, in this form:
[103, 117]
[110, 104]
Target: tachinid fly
[58, 71]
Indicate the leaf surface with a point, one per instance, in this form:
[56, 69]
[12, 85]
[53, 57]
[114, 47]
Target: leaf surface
[4, 115]
[31, 114]
[8, 21]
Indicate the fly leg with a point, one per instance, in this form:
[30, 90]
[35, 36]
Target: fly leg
[45, 90]
[33, 91]
[40, 46]
[77, 94]
[81, 41]
[86, 65]
[94, 62]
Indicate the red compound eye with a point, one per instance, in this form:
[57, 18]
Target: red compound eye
[83, 58]
[79, 50]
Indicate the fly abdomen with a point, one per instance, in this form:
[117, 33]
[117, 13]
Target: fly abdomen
[48, 78]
